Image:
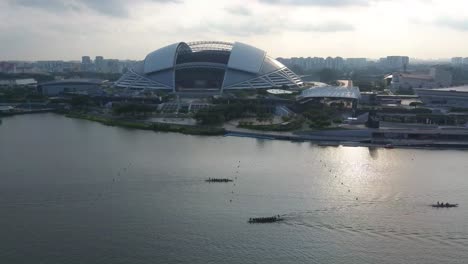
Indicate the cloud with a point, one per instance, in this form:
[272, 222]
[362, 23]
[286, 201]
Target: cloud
[114, 8]
[238, 10]
[456, 24]
[252, 27]
[50, 5]
[261, 21]
[325, 3]
[332, 26]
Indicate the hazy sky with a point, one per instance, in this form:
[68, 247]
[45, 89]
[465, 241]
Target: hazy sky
[129, 29]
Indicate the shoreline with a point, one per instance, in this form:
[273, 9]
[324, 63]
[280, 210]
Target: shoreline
[263, 135]
[348, 143]
[157, 127]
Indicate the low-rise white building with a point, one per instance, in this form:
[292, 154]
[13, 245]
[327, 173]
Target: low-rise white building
[18, 83]
[437, 78]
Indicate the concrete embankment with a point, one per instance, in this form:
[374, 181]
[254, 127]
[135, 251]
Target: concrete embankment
[353, 138]
[335, 136]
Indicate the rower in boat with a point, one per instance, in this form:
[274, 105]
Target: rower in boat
[218, 180]
[444, 205]
[271, 219]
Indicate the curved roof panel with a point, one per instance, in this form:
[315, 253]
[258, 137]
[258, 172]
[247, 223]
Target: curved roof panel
[332, 92]
[271, 65]
[210, 45]
[161, 59]
[246, 58]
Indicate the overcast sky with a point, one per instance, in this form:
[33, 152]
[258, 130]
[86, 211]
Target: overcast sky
[129, 29]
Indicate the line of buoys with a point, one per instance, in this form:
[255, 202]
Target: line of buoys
[342, 183]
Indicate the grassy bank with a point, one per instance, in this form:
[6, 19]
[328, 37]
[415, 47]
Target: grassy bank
[190, 130]
[283, 127]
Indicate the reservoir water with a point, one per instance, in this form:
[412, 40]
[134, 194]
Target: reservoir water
[74, 191]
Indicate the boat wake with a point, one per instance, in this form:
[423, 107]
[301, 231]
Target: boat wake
[316, 221]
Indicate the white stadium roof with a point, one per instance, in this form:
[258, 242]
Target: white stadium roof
[208, 66]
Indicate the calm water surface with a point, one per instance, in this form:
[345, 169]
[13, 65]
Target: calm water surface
[73, 191]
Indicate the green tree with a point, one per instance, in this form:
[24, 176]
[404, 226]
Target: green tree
[327, 75]
[415, 104]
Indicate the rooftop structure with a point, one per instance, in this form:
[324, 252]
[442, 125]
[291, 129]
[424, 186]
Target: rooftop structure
[19, 82]
[436, 78]
[85, 86]
[344, 91]
[208, 66]
[448, 97]
[338, 92]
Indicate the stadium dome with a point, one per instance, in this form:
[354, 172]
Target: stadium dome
[208, 66]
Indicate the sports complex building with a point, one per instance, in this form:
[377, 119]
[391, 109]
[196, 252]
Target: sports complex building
[208, 66]
[346, 92]
[445, 97]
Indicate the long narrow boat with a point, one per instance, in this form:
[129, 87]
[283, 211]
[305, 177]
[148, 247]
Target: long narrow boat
[444, 205]
[218, 180]
[262, 220]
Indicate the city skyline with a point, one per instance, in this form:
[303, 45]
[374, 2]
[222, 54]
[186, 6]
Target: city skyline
[67, 30]
[413, 60]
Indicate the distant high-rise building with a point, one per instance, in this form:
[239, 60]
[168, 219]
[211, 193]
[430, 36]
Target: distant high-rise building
[318, 63]
[86, 60]
[51, 66]
[86, 64]
[355, 63]
[338, 63]
[113, 66]
[457, 60]
[100, 65]
[7, 67]
[397, 62]
[329, 61]
[465, 61]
